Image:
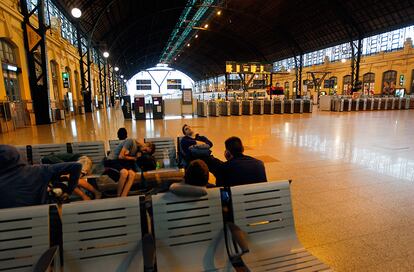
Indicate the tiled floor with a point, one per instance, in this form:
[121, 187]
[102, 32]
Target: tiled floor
[352, 173]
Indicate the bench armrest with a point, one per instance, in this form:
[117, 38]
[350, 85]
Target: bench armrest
[46, 259]
[239, 237]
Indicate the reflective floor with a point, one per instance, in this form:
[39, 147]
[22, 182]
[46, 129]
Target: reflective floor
[352, 173]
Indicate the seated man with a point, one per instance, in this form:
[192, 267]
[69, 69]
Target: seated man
[194, 146]
[239, 169]
[124, 159]
[24, 185]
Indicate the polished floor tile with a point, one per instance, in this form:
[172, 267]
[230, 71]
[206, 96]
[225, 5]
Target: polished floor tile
[353, 173]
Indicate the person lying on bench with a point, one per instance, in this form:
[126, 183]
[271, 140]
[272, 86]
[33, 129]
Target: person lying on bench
[194, 146]
[124, 159]
[22, 184]
[239, 169]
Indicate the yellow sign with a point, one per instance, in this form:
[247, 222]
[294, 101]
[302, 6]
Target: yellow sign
[33, 37]
[248, 67]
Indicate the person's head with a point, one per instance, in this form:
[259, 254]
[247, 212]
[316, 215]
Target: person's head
[196, 173]
[122, 134]
[187, 131]
[9, 158]
[148, 148]
[234, 147]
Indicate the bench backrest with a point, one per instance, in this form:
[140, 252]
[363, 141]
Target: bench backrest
[41, 150]
[264, 211]
[189, 232]
[22, 149]
[161, 144]
[94, 150]
[24, 237]
[103, 235]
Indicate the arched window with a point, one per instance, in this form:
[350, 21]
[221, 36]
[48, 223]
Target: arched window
[389, 79]
[55, 81]
[10, 70]
[368, 81]
[412, 82]
[287, 89]
[347, 85]
[7, 54]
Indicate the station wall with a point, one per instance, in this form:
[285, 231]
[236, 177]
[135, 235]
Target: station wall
[62, 57]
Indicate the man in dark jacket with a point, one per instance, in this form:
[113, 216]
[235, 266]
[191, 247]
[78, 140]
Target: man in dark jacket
[239, 169]
[24, 185]
[194, 146]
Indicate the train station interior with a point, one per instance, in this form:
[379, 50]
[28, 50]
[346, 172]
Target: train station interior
[320, 93]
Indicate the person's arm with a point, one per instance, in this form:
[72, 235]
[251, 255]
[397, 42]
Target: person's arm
[65, 168]
[186, 142]
[204, 139]
[124, 154]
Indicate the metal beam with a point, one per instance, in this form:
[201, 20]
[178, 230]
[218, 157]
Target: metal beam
[298, 74]
[84, 65]
[356, 48]
[35, 45]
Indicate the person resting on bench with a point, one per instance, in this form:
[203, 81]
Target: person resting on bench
[124, 159]
[22, 184]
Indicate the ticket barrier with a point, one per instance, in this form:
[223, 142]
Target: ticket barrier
[268, 107]
[225, 108]
[298, 106]
[307, 106]
[247, 107]
[384, 103]
[347, 104]
[370, 104]
[354, 104]
[362, 104]
[213, 109]
[202, 108]
[278, 106]
[377, 104]
[411, 104]
[389, 103]
[157, 107]
[393, 101]
[236, 108]
[289, 106]
[405, 103]
[338, 104]
[397, 103]
[258, 107]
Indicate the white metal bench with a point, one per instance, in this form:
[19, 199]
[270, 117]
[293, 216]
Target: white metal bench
[94, 150]
[22, 149]
[264, 212]
[161, 144]
[41, 150]
[103, 235]
[24, 237]
[189, 232]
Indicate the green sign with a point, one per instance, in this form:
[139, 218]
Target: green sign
[65, 78]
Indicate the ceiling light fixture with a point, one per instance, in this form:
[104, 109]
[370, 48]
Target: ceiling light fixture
[219, 12]
[206, 26]
[116, 69]
[196, 36]
[343, 60]
[122, 76]
[106, 54]
[77, 13]
[125, 80]
[188, 45]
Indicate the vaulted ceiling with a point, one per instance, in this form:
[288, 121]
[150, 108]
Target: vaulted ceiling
[136, 32]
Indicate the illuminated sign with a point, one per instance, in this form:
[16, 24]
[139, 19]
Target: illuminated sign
[248, 67]
[65, 78]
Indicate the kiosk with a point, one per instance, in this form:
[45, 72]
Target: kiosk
[139, 107]
[157, 107]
